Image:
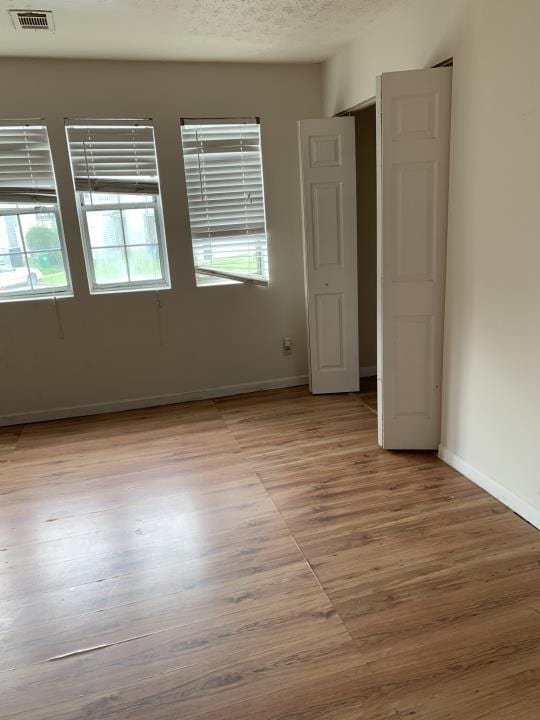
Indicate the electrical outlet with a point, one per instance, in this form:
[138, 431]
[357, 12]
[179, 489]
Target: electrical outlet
[287, 346]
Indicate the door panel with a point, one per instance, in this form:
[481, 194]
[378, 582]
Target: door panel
[327, 166]
[327, 213]
[413, 111]
[414, 338]
[414, 240]
[329, 324]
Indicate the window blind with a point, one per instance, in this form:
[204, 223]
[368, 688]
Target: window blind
[224, 181]
[113, 158]
[26, 170]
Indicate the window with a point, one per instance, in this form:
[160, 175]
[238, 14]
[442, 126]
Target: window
[224, 182]
[116, 181]
[33, 260]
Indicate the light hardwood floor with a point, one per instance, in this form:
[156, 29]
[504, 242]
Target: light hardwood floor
[257, 558]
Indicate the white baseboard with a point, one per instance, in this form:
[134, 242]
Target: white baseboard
[370, 371]
[59, 413]
[506, 496]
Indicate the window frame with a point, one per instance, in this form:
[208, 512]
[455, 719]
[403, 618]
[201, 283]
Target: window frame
[48, 293]
[53, 208]
[229, 277]
[156, 204]
[129, 286]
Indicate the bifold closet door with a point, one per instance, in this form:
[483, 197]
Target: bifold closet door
[413, 126]
[328, 178]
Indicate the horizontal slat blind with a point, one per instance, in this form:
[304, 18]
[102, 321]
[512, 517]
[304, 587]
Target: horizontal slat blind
[26, 170]
[113, 158]
[225, 194]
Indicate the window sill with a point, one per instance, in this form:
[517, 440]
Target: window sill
[112, 290]
[238, 277]
[36, 298]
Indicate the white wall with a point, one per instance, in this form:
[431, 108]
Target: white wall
[211, 336]
[491, 398]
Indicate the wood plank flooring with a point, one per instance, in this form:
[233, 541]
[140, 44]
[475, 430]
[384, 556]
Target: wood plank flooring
[257, 557]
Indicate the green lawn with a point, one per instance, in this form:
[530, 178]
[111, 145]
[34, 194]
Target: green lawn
[54, 278]
[146, 267]
[245, 264]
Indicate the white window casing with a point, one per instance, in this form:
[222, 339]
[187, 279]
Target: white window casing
[33, 259]
[116, 179]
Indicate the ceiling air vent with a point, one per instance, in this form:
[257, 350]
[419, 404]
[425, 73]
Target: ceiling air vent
[32, 19]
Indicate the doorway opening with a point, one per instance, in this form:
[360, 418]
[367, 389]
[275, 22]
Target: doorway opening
[366, 210]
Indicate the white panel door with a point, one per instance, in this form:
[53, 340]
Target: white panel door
[413, 110]
[328, 180]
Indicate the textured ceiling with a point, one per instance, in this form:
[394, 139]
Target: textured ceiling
[243, 30]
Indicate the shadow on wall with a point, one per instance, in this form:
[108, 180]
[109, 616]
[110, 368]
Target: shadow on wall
[366, 188]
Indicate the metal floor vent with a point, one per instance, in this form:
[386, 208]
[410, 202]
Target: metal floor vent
[32, 19]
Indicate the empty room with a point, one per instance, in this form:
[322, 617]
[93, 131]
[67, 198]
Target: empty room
[269, 360]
